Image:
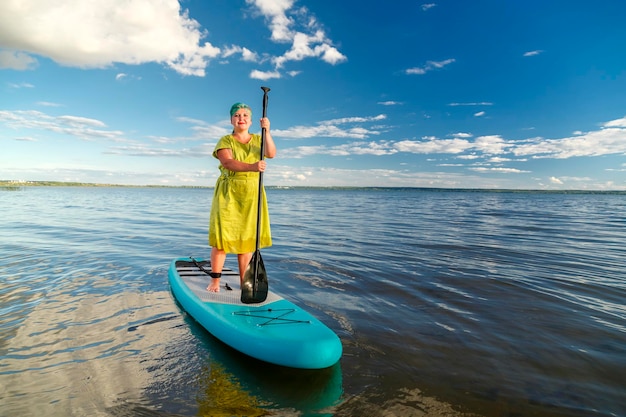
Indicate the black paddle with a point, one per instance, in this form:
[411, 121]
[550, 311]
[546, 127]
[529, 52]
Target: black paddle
[254, 286]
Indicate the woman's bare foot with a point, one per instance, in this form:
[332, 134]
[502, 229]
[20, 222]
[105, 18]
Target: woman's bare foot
[214, 286]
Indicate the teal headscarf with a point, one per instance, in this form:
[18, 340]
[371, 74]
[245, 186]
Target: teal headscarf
[238, 106]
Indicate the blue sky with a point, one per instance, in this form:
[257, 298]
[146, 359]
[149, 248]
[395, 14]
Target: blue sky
[462, 94]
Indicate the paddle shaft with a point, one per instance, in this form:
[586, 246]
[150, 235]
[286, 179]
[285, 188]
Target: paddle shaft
[258, 216]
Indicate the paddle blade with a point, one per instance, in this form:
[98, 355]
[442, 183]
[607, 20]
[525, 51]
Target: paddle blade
[254, 286]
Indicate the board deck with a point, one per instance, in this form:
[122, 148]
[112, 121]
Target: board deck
[198, 280]
[275, 331]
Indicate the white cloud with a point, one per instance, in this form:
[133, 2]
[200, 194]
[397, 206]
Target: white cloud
[533, 53]
[489, 152]
[499, 160]
[299, 28]
[16, 60]
[610, 139]
[97, 34]
[80, 121]
[371, 148]
[264, 75]
[430, 66]
[275, 11]
[616, 123]
[310, 46]
[354, 148]
[184, 119]
[48, 104]
[81, 127]
[390, 103]
[357, 119]
[428, 6]
[479, 114]
[246, 54]
[469, 156]
[21, 85]
[491, 145]
[332, 129]
[328, 131]
[330, 54]
[127, 77]
[555, 180]
[211, 132]
[481, 103]
[434, 145]
[500, 170]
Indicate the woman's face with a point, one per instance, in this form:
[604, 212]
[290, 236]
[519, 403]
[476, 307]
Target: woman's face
[241, 120]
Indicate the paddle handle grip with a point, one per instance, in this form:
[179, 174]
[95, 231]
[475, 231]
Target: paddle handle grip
[265, 91]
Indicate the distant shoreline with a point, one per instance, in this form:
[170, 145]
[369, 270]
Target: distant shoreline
[13, 184]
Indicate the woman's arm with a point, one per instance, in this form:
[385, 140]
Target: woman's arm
[270, 147]
[226, 159]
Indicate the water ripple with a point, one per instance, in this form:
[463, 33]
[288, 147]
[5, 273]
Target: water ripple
[497, 303]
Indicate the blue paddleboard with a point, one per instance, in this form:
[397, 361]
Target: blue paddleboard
[275, 331]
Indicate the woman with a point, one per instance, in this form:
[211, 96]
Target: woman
[232, 226]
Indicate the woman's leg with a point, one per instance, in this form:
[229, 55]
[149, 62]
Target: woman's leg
[243, 259]
[218, 257]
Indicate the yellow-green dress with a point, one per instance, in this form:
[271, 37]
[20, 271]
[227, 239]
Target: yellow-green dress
[233, 220]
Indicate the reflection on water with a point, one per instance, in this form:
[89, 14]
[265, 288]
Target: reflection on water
[281, 390]
[73, 356]
[221, 395]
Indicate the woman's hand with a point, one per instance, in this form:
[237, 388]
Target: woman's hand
[265, 123]
[260, 166]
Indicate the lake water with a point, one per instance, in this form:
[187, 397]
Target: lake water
[448, 303]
